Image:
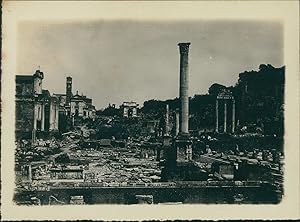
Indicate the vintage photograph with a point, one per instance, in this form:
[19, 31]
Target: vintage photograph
[126, 112]
[129, 105]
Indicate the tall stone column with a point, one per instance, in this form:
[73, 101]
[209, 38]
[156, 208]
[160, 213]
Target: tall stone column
[33, 136]
[225, 116]
[189, 152]
[30, 172]
[233, 115]
[217, 116]
[184, 87]
[43, 117]
[176, 123]
[35, 116]
[167, 121]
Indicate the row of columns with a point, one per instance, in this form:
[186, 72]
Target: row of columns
[225, 115]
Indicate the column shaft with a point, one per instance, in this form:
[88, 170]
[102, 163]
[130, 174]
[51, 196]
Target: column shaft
[184, 87]
[176, 123]
[217, 115]
[225, 116]
[233, 115]
[167, 121]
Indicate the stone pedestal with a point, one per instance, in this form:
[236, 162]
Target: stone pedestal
[183, 147]
[162, 151]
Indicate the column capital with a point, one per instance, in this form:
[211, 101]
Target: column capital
[184, 47]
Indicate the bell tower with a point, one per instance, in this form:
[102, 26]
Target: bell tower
[68, 90]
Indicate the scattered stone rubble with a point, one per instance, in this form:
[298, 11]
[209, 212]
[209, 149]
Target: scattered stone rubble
[102, 164]
[112, 162]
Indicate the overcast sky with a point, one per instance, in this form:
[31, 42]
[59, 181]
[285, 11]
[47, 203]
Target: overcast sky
[116, 61]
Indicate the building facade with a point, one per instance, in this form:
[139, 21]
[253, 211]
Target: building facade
[129, 109]
[81, 106]
[36, 109]
[75, 105]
